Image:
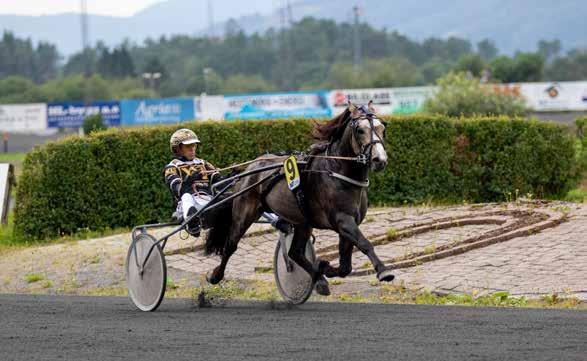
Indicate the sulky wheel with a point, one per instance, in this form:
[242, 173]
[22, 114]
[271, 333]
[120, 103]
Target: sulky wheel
[146, 285]
[294, 284]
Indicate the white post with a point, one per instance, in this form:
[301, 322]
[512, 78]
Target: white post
[6, 181]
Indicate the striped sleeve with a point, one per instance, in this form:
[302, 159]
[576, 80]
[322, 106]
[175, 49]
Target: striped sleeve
[173, 180]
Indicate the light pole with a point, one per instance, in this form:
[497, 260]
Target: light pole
[206, 72]
[357, 39]
[151, 77]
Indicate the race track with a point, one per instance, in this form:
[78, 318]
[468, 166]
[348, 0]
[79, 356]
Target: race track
[82, 328]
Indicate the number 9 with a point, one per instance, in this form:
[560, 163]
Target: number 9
[289, 166]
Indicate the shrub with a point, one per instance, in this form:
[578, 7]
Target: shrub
[581, 124]
[458, 95]
[93, 123]
[113, 178]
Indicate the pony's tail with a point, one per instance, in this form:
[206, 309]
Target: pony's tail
[220, 223]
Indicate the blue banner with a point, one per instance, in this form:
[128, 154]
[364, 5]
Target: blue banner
[157, 111]
[72, 115]
[277, 105]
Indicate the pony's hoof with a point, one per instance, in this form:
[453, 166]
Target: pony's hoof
[211, 278]
[322, 288]
[385, 276]
[323, 265]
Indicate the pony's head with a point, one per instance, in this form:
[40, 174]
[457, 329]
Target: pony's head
[364, 130]
[368, 135]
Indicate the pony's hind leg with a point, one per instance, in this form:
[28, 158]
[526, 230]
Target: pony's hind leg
[297, 252]
[248, 212]
[345, 251]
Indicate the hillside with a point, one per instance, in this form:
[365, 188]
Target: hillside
[512, 25]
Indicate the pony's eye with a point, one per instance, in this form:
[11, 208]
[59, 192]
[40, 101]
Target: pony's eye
[361, 131]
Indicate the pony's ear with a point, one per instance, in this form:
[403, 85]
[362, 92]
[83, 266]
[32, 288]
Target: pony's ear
[353, 110]
[370, 107]
[351, 106]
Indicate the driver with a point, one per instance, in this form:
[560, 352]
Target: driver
[188, 177]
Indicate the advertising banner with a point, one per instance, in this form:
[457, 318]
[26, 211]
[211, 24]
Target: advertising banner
[277, 105]
[557, 96]
[72, 115]
[385, 100]
[210, 107]
[157, 111]
[25, 118]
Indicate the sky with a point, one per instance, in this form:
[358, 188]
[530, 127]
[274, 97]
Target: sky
[99, 7]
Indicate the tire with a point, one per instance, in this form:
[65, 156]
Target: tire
[146, 291]
[296, 286]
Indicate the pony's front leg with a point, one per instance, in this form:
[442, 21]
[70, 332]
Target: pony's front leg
[347, 228]
[297, 252]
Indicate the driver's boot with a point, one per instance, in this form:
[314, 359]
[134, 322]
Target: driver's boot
[282, 226]
[193, 226]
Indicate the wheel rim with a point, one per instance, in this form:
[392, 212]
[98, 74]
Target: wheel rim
[296, 286]
[146, 290]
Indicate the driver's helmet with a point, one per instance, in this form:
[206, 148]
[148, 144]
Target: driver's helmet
[182, 136]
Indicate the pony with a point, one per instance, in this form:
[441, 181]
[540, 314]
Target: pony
[334, 185]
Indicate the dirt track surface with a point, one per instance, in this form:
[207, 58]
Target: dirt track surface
[83, 328]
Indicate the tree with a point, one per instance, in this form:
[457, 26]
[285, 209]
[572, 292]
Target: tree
[458, 95]
[46, 59]
[503, 68]
[116, 64]
[571, 67]
[472, 63]
[241, 83]
[395, 72]
[81, 62]
[529, 66]
[486, 49]
[19, 57]
[154, 65]
[18, 89]
[549, 49]
[523, 67]
[209, 82]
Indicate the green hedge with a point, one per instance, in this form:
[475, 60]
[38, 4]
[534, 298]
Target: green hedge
[113, 178]
[581, 124]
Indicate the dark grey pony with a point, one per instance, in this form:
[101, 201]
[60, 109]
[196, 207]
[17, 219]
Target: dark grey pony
[335, 193]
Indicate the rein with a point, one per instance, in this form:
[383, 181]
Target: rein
[359, 159]
[363, 158]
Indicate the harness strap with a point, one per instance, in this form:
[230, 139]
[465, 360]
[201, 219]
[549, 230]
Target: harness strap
[364, 184]
[299, 193]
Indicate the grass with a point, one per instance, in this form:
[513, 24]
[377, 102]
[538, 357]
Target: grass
[15, 159]
[34, 277]
[255, 290]
[261, 269]
[391, 234]
[10, 241]
[399, 294]
[579, 194]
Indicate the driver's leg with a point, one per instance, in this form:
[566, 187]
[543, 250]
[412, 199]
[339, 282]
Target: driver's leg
[277, 222]
[189, 207]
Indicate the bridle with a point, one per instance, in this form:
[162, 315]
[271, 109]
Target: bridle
[366, 151]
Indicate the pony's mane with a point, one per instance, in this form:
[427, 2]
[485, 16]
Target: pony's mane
[333, 129]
